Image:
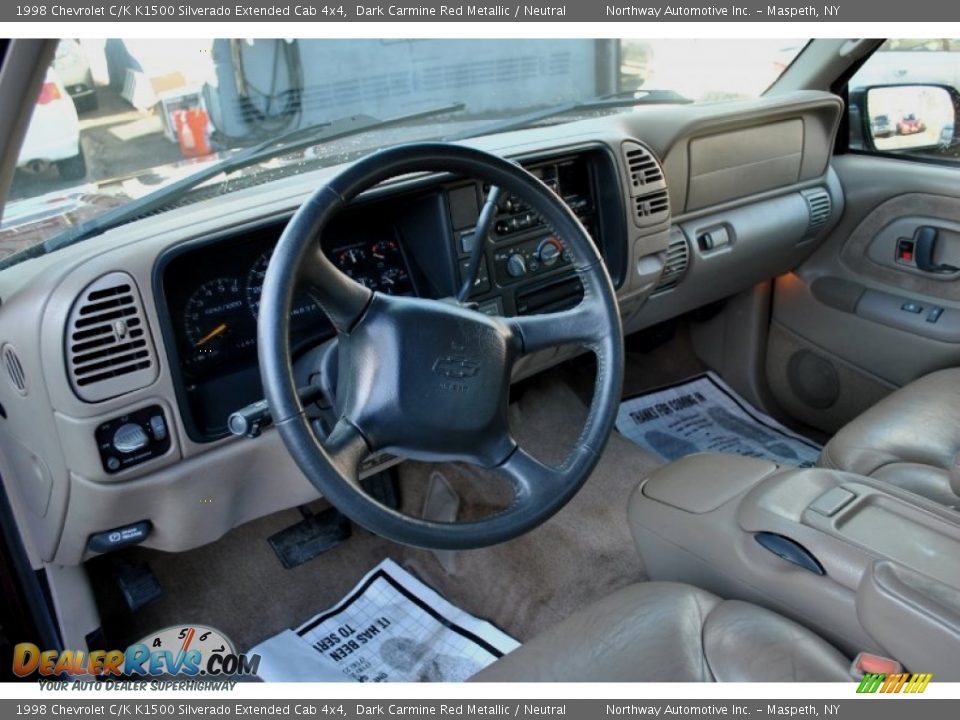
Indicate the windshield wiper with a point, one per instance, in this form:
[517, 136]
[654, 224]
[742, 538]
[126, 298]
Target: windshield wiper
[288, 142]
[627, 98]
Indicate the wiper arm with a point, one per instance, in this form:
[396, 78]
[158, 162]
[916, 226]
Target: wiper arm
[287, 142]
[627, 98]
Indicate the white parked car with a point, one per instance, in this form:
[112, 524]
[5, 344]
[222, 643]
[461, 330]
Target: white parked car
[54, 133]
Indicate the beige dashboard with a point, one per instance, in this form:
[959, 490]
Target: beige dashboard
[747, 194]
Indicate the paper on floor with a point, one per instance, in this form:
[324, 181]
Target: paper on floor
[704, 414]
[390, 628]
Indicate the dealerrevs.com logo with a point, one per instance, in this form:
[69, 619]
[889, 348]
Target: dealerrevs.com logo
[183, 650]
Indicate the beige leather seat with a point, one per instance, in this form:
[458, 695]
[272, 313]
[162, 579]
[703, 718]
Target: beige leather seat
[911, 439]
[668, 632]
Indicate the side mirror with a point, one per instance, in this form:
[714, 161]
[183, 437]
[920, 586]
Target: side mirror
[909, 117]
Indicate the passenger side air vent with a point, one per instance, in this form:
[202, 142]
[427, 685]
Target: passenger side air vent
[108, 347]
[15, 373]
[819, 205]
[678, 259]
[649, 198]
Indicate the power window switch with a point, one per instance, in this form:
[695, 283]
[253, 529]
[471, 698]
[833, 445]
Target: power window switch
[912, 307]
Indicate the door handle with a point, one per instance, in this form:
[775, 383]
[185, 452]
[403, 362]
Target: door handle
[925, 242]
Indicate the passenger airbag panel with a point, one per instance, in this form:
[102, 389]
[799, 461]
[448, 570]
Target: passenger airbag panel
[735, 164]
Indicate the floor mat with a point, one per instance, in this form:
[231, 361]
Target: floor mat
[390, 628]
[704, 414]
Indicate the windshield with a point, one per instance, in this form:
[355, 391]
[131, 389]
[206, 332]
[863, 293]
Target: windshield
[116, 121]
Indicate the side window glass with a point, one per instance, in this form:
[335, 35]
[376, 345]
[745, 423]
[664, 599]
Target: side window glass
[905, 100]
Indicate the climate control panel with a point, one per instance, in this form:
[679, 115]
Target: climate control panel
[528, 258]
[133, 438]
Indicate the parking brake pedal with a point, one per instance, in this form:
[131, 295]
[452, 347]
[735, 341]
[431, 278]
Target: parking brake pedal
[138, 585]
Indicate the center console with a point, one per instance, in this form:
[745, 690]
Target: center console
[867, 565]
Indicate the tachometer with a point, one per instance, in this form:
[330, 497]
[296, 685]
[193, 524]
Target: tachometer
[215, 320]
[305, 310]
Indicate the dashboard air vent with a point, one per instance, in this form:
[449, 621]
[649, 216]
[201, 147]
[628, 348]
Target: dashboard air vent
[108, 347]
[652, 208]
[678, 259]
[650, 200]
[15, 373]
[642, 165]
[819, 205]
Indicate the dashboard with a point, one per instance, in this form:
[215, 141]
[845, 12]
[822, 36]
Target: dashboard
[126, 354]
[414, 243]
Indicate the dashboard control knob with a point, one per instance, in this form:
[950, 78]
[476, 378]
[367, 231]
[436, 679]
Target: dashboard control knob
[549, 251]
[129, 438]
[516, 266]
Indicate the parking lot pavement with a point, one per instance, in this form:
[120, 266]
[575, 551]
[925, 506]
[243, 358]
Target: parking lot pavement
[118, 142]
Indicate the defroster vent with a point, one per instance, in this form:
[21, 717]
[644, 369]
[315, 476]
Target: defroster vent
[108, 346]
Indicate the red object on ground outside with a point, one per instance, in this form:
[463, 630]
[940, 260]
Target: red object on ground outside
[192, 132]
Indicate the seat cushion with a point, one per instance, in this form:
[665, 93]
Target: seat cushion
[911, 438]
[669, 632]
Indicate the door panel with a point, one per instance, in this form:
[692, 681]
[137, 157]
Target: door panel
[878, 304]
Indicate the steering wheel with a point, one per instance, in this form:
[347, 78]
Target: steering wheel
[429, 379]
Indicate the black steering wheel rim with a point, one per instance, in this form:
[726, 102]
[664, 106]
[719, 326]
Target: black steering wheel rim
[490, 345]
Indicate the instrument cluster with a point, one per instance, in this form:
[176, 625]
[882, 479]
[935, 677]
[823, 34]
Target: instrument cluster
[213, 294]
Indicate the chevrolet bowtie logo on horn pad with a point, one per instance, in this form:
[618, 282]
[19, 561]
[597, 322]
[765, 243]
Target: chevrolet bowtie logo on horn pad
[455, 366]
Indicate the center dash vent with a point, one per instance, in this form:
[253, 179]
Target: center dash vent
[677, 261]
[819, 206]
[642, 165]
[650, 200]
[108, 347]
[652, 206]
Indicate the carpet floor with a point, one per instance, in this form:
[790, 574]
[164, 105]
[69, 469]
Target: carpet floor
[238, 585]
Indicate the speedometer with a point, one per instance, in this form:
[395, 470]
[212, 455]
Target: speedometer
[215, 320]
[305, 310]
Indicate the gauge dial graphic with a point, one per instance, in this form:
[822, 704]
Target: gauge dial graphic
[214, 319]
[178, 639]
[304, 311]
